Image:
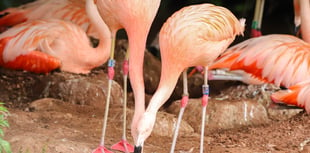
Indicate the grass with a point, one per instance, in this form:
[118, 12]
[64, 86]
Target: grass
[4, 145]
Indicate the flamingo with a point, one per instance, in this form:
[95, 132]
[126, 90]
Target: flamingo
[278, 58]
[69, 10]
[301, 11]
[135, 17]
[194, 35]
[43, 45]
[239, 76]
[297, 95]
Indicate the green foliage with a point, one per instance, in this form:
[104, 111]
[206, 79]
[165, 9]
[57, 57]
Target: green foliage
[4, 145]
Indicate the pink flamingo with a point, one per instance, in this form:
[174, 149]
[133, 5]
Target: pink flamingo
[282, 48]
[279, 59]
[194, 35]
[69, 10]
[43, 45]
[135, 17]
[302, 10]
[297, 95]
[240, 76]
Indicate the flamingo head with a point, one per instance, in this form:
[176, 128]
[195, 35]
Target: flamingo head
[144, 130]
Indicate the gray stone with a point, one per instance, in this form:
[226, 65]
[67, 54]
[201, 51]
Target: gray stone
[223, 114]
[282, 114]
[81, 89]
[164, 125]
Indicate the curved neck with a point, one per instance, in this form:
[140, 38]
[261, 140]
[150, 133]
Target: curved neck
[100, 26]
[168, 80]
[305, 19]
[136, 50]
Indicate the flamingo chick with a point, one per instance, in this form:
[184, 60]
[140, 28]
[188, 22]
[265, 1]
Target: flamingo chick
[43, 45]
[194, 35]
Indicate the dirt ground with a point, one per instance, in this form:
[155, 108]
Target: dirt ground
[58, 125]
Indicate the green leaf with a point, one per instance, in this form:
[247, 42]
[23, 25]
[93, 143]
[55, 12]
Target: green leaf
[5, 146]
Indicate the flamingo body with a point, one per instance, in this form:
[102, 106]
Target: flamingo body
[69, 10]
[35, 61]
[43, 45]
[136, 17]
[297, 95]
[194, 35]
[279, 59]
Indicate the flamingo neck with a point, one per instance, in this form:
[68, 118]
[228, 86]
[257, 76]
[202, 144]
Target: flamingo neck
[305, 19]
[168, 81]
[104, 33]
[136, 48]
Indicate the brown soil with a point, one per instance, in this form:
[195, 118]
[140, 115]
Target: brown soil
[53, 125]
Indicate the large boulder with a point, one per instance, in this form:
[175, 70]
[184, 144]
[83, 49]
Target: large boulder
[223, 114]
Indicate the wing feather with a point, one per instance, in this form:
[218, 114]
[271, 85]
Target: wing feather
[32, 35]
[280, 59]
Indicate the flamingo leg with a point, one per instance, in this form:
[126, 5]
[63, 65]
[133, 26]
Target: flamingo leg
[257, 20]
[205, 92]
[123, 145]
[111, 64]
[184, 102]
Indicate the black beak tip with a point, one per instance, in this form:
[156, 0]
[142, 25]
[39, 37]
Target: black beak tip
[137, 149]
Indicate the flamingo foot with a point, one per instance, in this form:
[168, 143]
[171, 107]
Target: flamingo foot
[123, 146]
[102, 149]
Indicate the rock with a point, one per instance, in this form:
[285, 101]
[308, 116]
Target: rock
[259, 93]
[44, 144]
[282, 114]
[88, 89]
[82, 89]
[131, 100]
[152, 71]
[164, 125]
[223, 114]
[45, 104]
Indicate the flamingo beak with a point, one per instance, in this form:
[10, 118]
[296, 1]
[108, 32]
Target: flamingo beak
[139, 145]
[138, 149]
